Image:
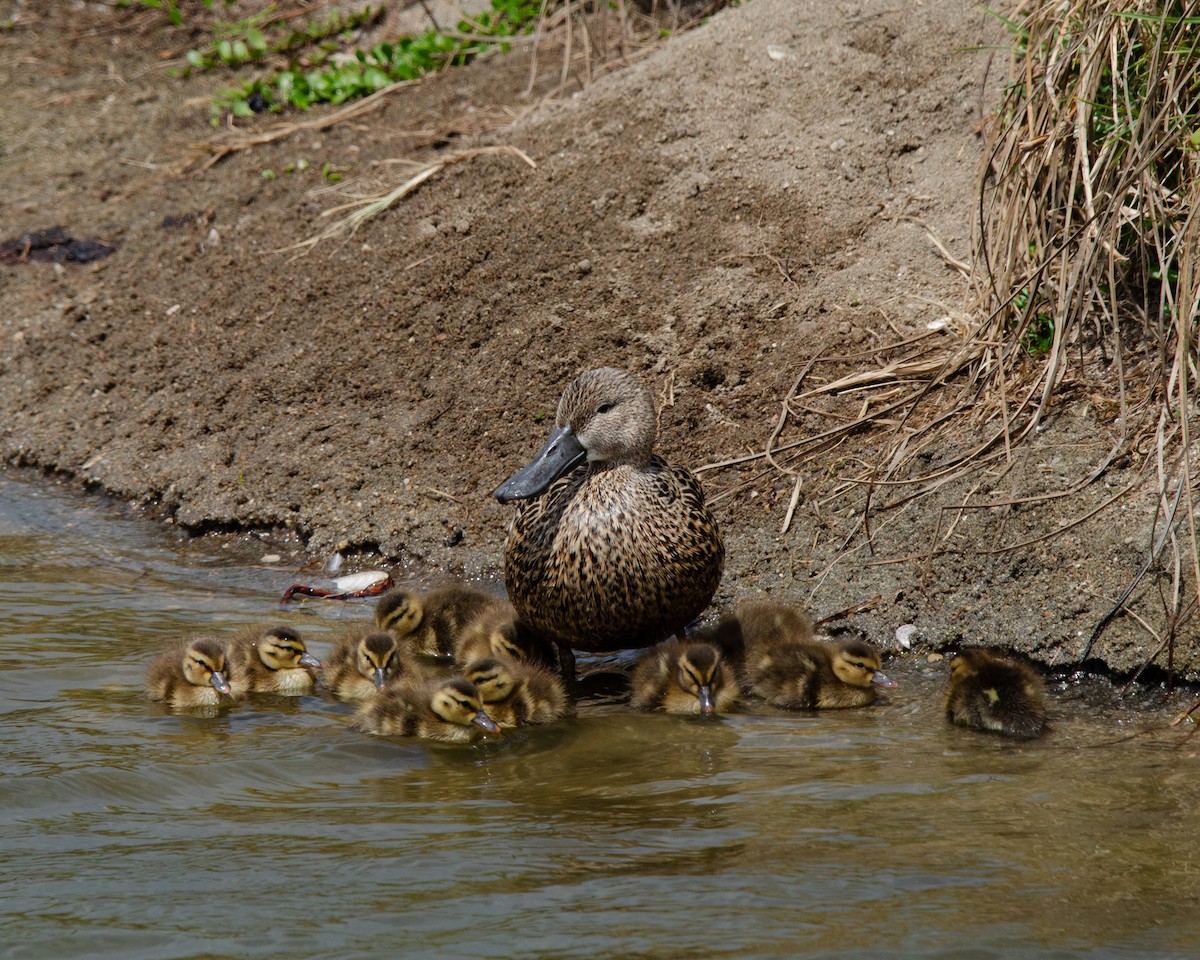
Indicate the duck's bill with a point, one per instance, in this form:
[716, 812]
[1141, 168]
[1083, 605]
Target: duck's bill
[377, 677]
[220, 684]
[561, 454]
[308, 660]
[484, 722]
[883, 680]
[707, 703]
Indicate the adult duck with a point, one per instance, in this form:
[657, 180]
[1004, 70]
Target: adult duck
[613, 547]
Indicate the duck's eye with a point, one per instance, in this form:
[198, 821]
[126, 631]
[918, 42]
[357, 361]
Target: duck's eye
[605, 407]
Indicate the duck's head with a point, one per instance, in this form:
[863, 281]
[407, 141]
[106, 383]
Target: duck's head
[605, 416]
[280, 648]
[858, 663]
[204, 665]
[457, 701]
[494, 681]
[378, 657]
[399, 612]
[700, 674]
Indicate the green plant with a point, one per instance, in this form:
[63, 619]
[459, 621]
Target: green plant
[408, 58]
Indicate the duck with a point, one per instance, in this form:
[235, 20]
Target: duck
[786, 665]
[612, 547]
[365, 661]
[449, 710]
[191, 674]
[271, 659]
[497, 632]
[990, 692]
[515, 693]
[684, 676]
[430, 623]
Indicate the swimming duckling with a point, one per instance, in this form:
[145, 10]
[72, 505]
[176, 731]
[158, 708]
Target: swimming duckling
[430, 623]
[271, 659]
[810, 675]
[191, 674]
[994, 693]
[612, 547]
[684, 676]
[516, 693]
[363, 662]
[449, 710]
[496, 632]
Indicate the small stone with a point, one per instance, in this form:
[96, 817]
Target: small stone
[905, 635]
[271, 558]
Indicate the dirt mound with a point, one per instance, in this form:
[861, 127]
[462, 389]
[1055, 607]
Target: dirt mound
[753, 194]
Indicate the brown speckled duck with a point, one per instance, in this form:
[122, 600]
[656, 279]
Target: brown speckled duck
[271, 659]
[192, 674]
[788, 667]
[994, 693]
[364, 661]
[515, 694]
[613, 547]
[448, 710]
[684, 676]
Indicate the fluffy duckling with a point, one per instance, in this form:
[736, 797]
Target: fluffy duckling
[429, 624]
[449, 710]
[515, 693]
[994, 693]
[365, 661]
[757, 624]
[810, 675]
[271, 659]
[191, 674]
[685, 676]
[496, 632]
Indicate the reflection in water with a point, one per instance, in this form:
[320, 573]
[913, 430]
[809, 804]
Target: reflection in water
[271, 829]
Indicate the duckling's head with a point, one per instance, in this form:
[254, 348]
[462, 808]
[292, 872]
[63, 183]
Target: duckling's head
[605, 416]
[280, 648]
[494, 681]
[378, 657]
[700, 674]
[399, 612]
[857, 664]
[204, 665]
[457, 701]
[965, 665]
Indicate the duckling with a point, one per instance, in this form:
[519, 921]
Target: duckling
[516, 693]
[994, 693]
[496, 632]
[684, 676]
[191, 674]
[430, 623]
[449, 710]
[789, 667]
[365, 661]
[271, 659]
[613, 547]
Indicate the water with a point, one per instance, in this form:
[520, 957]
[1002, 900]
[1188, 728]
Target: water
[271, 830]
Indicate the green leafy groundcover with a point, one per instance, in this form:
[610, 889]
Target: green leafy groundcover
[406, 59]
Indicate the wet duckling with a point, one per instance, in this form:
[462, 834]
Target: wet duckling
[496, 632]
[515, 693]
[449, 710]
[271, 659]
[430, 623]
[994, 693]
[810, 675]
[192, 674]
[364, 661]
[612, 547]
[684, 676]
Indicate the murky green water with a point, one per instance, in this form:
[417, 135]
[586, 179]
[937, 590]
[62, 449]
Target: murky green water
[273, 831]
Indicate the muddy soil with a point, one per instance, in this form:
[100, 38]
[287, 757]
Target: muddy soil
[746, 197]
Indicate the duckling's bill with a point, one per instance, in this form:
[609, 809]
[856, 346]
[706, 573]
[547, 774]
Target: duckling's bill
[220, 684]
[562, 453]
[881, 679]
[484, 722]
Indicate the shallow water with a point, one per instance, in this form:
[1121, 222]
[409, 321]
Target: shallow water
[271, 830]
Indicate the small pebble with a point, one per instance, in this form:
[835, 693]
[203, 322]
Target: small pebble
[271, 558]
[905, 635]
